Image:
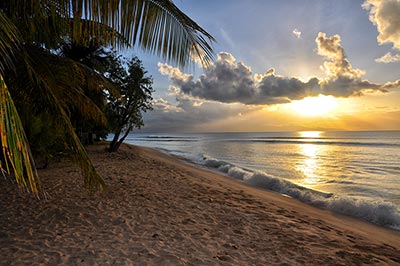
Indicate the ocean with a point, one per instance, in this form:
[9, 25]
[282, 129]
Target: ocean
[352, 173]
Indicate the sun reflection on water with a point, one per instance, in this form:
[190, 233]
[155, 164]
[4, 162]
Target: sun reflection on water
[310, 165]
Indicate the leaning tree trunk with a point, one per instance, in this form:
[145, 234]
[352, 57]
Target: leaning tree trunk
[113, 143]
[116, 143]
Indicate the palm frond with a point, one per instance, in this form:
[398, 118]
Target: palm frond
[69, 81]
[157, 26]
[167, 31]
[91, 179]
[54, 84]
[15, 145]
[10, 40]
[92, 33]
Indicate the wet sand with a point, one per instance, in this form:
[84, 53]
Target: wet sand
[159, 210]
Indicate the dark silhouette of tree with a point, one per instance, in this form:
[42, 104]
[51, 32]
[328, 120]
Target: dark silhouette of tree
[30, 32]
[124, 112]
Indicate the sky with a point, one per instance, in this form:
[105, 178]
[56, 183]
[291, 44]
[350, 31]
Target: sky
[291, 65]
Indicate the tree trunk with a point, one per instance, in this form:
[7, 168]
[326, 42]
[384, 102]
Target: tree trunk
[114, 142]
[114, 145]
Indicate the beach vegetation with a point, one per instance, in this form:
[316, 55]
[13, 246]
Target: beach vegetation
[124, 110]
[32, 34]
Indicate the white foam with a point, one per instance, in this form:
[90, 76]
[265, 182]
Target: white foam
[379, 212]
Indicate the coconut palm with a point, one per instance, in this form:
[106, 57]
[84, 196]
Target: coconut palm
[32, 31]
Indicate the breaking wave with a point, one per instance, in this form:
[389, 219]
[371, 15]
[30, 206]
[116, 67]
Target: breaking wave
[377, 212]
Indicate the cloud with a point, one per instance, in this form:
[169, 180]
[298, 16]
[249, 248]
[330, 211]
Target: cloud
[344, 86]
[343, 80]
[161, 105]
[337, 64]
[385, 15]
[229, 81]
[388, 58]
[225, 81]
[189, 114]
[392, 85]
[297, 33]
[278, 89]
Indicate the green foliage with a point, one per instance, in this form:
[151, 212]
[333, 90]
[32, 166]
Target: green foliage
[157, 26]
[15, 147]
[124, 112]
[58, 90]
[31, 32]
[97, 59]
[46, 140]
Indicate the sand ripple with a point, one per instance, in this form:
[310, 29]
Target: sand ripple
[160, 211]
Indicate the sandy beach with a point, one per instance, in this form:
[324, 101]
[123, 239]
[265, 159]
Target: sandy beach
[159, 210]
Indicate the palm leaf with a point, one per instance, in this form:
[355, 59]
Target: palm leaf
[15, 145]
[53, 103]
[54, 85]
[69, 80]
[10, 40]
[167, 31]
[157, 26]
[88, 33]
[91, 179]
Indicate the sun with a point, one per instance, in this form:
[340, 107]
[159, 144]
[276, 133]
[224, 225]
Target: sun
[314, 106]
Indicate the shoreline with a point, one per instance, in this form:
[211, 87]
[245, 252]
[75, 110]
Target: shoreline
[346, 180]
[162, 210]
[386, 213]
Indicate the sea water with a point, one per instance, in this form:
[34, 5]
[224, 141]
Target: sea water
[353, 173]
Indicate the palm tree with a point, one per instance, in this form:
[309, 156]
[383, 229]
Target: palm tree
[31, 32]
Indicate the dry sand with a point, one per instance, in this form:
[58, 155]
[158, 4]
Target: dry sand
[162, 211]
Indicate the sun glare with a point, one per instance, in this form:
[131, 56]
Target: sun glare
[314, 106]
[310, 134]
